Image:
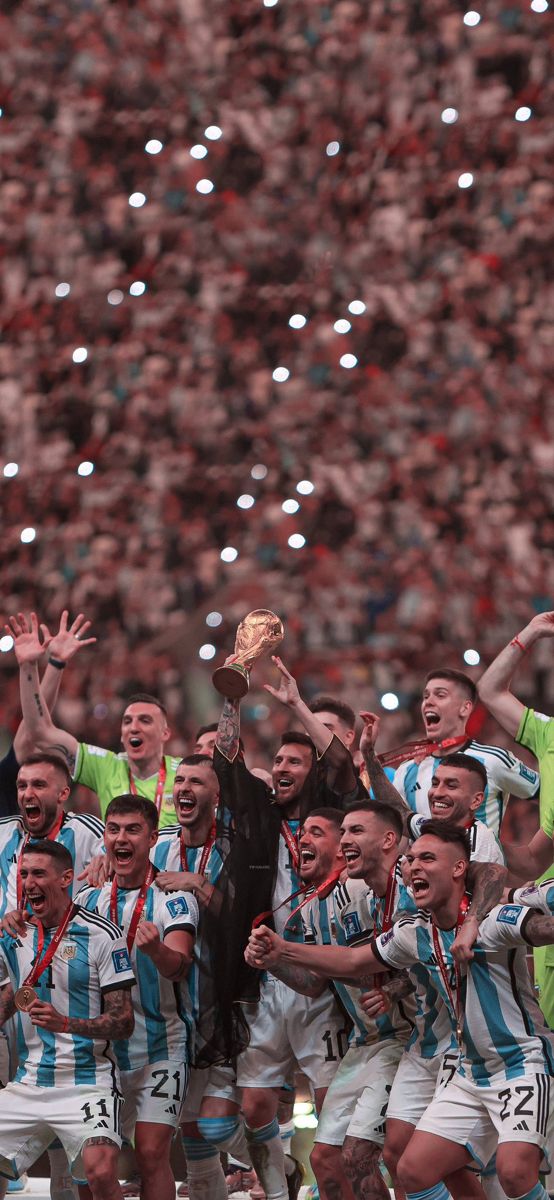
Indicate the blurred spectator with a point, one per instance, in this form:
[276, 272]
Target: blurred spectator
[430, 524]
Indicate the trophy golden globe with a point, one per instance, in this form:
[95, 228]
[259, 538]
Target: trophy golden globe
[258, 634]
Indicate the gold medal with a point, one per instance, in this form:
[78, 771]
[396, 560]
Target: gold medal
[25, 997]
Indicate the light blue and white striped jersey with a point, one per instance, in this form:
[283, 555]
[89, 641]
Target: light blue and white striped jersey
[484, 844]
[505, 773]
[166, 856]
[504, 1033]
[162, 1008]
[432, 1028]
[287, 881]
[82, 834]
[90, 961]
[323, 926]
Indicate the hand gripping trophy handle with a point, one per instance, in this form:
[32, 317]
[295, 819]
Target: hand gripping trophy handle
[259, 633]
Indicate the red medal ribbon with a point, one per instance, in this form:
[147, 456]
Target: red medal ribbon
[393, 758]
[137, 911]
[41, 965]
[308, 891]
[206, 851]
[390, 899]
[390, 905]
[291, 840]
[162, 776]
[50, 837]
[454, 1000]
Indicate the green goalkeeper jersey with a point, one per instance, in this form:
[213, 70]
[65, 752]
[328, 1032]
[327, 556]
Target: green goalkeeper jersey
[108, 775]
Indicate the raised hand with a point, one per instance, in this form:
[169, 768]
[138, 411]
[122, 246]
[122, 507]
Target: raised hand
[370, 732]
[543, 624]
[68, 641]
[287, 692]
[27, 638]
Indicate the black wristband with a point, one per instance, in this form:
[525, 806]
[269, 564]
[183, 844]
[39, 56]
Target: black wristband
[57, 663]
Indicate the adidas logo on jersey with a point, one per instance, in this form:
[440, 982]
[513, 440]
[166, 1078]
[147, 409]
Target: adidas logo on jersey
[523, 1126]
[172, 1110]
[102, 1125]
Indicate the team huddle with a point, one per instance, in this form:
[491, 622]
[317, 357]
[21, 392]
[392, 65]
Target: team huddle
[172, 957]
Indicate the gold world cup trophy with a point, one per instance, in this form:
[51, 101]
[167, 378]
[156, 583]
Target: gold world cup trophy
[259, 633]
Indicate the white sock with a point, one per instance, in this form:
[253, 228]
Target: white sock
[205, 1179]
[61, 1183]
[286, 1130]
[268, 1160]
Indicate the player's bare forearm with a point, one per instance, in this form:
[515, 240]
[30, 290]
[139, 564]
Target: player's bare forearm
[117, 1020]
[539, 929]
[529, 860]
[330, 962]
[7, 1003]
[50, 686]
[300, 980]
[486, 881]
[172, 964]
[228, 730]
[494, 685]
[383, 789]
[321, 737]
[39, 727]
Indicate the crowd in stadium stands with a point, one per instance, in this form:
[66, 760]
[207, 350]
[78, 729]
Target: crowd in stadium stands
[429, 526]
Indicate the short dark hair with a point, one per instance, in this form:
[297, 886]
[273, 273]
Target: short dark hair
[468, 763]
[333, 815]
[198, 760]
[340, 708]
[458, 677]
[213, 728]
[127, 803]
[54, 850]
[145, 698]
[296, 737]
[445, 831]
[385, 812]
[53, 759]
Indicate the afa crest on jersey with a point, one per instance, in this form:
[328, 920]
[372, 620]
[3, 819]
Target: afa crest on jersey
[121, 961]
[509, 913]
[67, 951]
[351, 923]
[178, 906]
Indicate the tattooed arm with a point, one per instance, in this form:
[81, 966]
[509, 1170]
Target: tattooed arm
[39, 725]
[486, 881]
[266, 950]
[383, 790]
[116, 1021]
[30, 643]
[299, 979]
[228, 730]
[539, 929]
[7, 1003]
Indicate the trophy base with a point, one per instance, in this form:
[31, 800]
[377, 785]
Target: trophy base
[231, 682]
